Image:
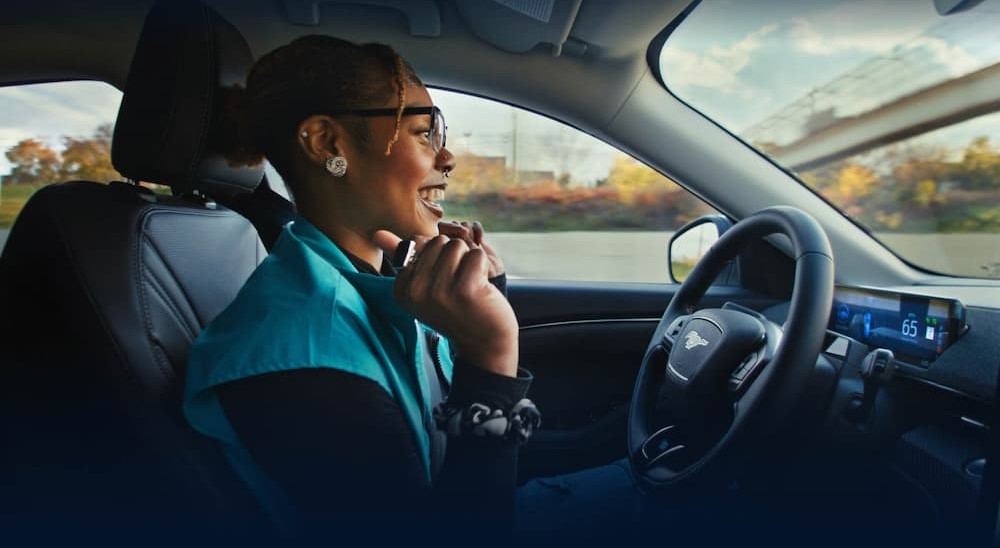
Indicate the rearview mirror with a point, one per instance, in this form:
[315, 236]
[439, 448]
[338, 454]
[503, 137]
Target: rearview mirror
[949, 7]
[689, 244]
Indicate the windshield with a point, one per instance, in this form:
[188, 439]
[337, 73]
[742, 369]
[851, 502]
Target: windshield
[885, 108]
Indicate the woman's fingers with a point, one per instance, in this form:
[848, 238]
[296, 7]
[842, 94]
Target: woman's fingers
[443, 274]
[453, 229]
[418, 275]
[471, 273]
[386, 241]
[442, 267]
[474, 230]
[477, 233]
[447, 288]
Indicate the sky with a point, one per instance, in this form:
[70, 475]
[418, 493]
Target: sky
[737, 61]
[49, 111]
[741, 61]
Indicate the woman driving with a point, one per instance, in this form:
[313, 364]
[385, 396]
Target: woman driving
[341, 389]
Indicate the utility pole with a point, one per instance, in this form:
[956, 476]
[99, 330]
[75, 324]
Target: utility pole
[513, 139]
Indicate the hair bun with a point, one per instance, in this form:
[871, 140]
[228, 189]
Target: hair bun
[232, 133]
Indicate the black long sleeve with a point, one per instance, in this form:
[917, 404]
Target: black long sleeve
[341, 449]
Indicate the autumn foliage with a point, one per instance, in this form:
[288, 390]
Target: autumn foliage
[897, 188]
[917, 189]
[632, 197]
[35, 163]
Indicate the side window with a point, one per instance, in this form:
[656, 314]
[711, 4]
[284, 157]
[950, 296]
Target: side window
[53, 132]
[557, 203]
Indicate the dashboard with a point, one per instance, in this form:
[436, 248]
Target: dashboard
[964, 355]
[916, 328]
[927, 412]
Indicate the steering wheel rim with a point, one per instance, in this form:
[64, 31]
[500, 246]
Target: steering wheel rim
[791, 352]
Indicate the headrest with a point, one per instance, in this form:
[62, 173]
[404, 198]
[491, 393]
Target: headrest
[169, 110]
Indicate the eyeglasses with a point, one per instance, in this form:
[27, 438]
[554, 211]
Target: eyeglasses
[438, 129]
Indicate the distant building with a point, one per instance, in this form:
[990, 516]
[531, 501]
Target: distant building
[533, 177]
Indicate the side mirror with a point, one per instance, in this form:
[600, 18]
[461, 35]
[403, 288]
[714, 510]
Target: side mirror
[689, 244]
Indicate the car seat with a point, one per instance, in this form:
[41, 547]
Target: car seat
[103, 288]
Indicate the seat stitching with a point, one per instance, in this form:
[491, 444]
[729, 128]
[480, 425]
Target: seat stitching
[226, 214]
[137, 272]
[160, 290]
[160, 254]
[140, 264]
[164, 294]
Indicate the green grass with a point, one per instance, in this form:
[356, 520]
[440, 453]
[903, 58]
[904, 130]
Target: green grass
[12, 200]
[682, 270]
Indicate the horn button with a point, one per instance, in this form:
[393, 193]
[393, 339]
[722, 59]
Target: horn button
[712, 345]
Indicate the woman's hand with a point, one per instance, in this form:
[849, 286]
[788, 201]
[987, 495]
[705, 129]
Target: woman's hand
[447, 287]
[472, 234]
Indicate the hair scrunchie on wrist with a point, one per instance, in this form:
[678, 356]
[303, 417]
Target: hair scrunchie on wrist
[480, 420]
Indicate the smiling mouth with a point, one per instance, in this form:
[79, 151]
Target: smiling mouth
[431, 196]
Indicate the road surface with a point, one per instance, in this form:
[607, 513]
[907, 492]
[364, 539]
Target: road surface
[642, 256]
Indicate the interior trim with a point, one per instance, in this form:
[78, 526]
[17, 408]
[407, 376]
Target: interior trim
[586, 322]
[915, 376]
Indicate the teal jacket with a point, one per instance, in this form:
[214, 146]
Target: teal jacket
[307, 306]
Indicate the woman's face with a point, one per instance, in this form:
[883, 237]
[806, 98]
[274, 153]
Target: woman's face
[402, 192]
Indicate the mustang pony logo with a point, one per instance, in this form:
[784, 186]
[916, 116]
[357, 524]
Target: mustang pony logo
[693, 339]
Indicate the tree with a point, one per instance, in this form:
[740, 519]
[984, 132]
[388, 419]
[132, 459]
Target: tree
[479, 174]
[823, 178]
[980, 166]
[33, 162]
[632, 178]
[89, 159]
[855, 182]
[36, 163]
[917, 177]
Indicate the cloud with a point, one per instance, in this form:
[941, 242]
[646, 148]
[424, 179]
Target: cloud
[736, 56]
[718, 67]
[9, 136]
[685, 68]
[51, 110]
[860, 26]
[955, 59]
[809, 37]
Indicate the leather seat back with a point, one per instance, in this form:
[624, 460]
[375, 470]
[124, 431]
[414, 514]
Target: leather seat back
[104, 288]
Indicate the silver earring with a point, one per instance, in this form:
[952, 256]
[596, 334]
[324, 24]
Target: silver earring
[336, 165]
[304, 134]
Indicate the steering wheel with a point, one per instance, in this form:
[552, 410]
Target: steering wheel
[724, 376]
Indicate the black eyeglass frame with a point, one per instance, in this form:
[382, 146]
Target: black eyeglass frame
[434, 112]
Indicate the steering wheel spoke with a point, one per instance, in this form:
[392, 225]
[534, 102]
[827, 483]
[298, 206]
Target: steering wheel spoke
[673, 330]
[661, 448]
[756, 361]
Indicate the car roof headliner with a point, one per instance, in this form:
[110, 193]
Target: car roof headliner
[95, 40]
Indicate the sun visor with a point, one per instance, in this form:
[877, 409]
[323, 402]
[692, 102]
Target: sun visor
[422, 16]
[518, 26]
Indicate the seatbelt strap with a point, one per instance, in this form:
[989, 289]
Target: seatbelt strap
[439, 440]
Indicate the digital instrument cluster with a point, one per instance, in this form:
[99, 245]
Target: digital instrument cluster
[916, 328]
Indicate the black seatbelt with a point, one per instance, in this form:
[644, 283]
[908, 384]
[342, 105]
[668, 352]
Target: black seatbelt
[432, 370]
